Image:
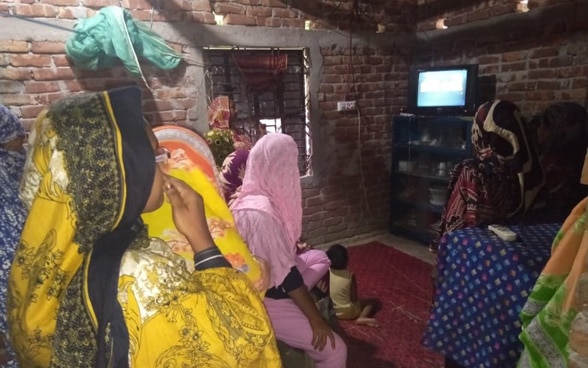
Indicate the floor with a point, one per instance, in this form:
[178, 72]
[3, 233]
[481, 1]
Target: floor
[294, 358]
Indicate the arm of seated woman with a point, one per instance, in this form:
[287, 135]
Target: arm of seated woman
[321, 331]
[292, 282]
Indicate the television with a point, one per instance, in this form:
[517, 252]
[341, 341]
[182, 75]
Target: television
[443, 90]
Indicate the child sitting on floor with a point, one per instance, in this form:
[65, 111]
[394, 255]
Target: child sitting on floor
[343, 289]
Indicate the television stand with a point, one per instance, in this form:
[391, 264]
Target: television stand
[424, 151]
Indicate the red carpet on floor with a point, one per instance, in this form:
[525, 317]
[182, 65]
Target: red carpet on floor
[402, 285]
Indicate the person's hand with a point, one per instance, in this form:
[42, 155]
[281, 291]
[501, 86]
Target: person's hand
[321, 331]
[263, 283]
[188, 213]
[322, 286]
[302, 247]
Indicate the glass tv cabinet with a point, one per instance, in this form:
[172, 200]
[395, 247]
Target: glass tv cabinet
[425, 150]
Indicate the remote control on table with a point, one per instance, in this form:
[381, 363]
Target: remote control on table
[503, 232]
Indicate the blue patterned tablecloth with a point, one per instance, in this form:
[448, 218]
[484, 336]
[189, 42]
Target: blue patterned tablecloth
[482, 285]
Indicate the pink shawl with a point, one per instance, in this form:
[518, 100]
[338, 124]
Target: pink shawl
[272, 184]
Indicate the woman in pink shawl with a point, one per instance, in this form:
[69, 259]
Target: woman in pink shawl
[268, 214]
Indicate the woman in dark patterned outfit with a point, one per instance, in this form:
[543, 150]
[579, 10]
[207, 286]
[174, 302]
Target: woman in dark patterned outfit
[501, 181]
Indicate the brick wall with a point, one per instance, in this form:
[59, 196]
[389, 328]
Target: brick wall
[354, 195]
[349, 191]
[532, 59]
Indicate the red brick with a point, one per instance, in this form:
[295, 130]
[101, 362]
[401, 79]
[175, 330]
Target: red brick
[62, 2]
[548, 85]
[273, 22]
[198, 6]
[273, 3]
[41, 87]
[258, 12]
[541, 74]
[32, 111]
[314, 201]
[544, 52]
[65, 13]
[312, 225]
[513, 56]
[575, 95]
[241, 20]
[168, 94]
[513, 67]
[14, 46]
[45, 47]
[53, 74]
[15, 99]
[62, 60]
[15, 73]
[74, 85]
[137, 4]
[143, 15]
[199, 17]
[41, 10]
[167, 16]
[284, 13]
[183, 103]
[561, 61]
[311, 192]
[10, 86]
[30, 60]
[335, 229]
[331, 221]
[226, 8]
[24, 10]
[160, 105]
[171, 117]
[98, 4]
[47, 98]
[579, 83]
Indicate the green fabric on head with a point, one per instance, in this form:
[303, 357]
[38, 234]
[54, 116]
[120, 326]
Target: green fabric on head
[113, 34]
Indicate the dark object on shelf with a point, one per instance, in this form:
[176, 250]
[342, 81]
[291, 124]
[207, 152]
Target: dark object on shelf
[425, 149]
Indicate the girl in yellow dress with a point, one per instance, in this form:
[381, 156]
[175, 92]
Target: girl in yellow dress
[88, 287]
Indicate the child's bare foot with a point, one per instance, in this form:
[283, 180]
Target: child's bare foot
[367, 322]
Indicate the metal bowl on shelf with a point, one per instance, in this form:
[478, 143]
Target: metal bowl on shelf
[406, 166]
[437, 196]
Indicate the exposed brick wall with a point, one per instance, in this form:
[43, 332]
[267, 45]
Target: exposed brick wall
[34, 74]
[348, 194]
[534, 62]
[460, 12]
[354, 195]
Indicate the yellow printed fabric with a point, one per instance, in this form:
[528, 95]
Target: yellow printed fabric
[47, 256]
[220, 222]
[196, 168]
[85, 184]
[180, 319]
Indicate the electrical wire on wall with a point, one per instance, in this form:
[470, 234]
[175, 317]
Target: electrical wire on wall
[352, 21]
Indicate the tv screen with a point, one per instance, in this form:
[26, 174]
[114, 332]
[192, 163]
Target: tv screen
[443, 90]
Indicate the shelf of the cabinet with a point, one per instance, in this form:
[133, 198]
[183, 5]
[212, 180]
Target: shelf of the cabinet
[422, 205]
[423, 146]
[420, 175]
[457, 152]
[412, 232]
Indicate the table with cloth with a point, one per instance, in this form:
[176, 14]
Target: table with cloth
[482, 284]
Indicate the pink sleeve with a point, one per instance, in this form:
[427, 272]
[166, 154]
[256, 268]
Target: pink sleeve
[266, 239]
